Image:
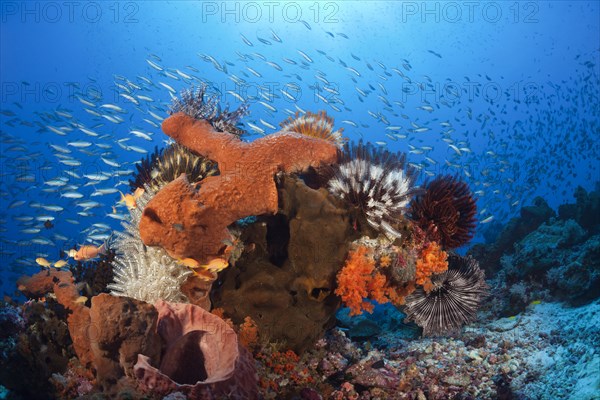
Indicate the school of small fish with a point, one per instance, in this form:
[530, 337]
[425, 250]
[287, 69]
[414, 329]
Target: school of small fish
[71, 173]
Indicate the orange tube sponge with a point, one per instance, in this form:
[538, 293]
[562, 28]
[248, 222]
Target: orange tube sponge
[433, 260]
[192, 223]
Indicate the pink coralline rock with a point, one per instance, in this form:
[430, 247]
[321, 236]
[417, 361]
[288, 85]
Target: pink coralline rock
[202, 359]
[191, 222]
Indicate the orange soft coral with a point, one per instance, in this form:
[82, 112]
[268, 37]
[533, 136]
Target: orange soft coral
[354, 279]
[359, 280]
[433, 260]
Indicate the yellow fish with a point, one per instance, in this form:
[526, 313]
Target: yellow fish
[43, 262]
[190, 263]
[205, 275]
[88, 252]
[213, 266]
[216, 265]
[60, 263]
[138, 192]
[81, 300]
[128, 199]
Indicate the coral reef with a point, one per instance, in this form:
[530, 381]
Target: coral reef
[286, 283]
[192, 223]
[446, 211]
[436, 297]
[533, 356]
[531, 217]
[557, 261]
[121, 351]
[376, 184]
[282, 371]
[35, 340]
[536, 253]
[539, 257]
[109, 349]
[74, 383]
[11, 324]
[61, 284]
[585, 211]
[272, 235]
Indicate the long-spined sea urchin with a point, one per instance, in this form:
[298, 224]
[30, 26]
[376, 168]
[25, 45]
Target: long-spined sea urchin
[452, 302]
[376, 183]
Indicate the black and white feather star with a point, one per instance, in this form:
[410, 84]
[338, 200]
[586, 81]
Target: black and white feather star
[375, 182]
[198, 104]
[453, 301]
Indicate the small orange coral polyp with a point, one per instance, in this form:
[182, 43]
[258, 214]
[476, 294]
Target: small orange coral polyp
[385, 260]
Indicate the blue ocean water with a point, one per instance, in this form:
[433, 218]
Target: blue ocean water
[502, 94]
[515, 84]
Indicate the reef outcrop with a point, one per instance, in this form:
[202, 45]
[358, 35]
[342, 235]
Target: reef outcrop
[531, 217]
